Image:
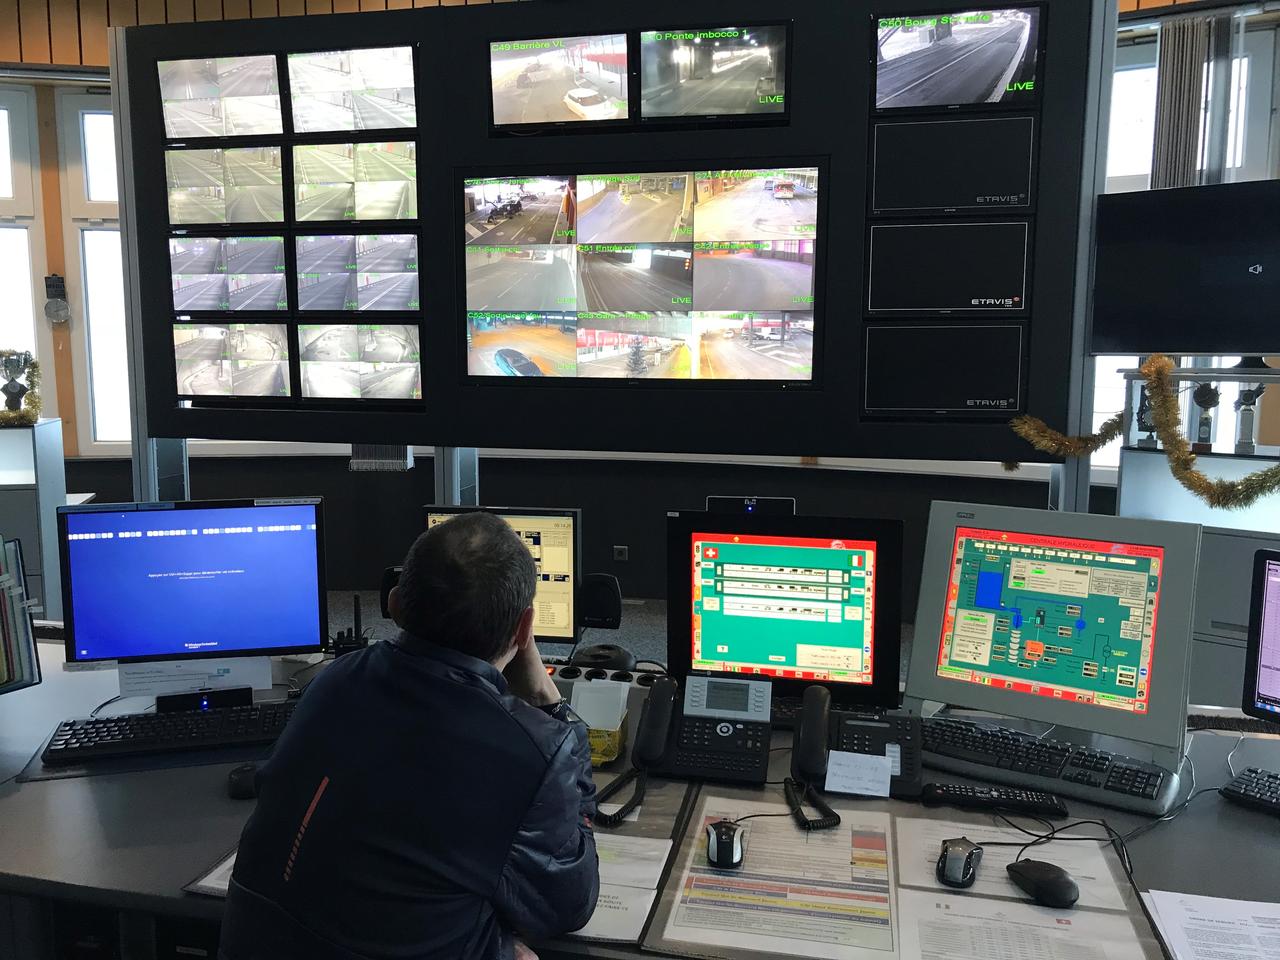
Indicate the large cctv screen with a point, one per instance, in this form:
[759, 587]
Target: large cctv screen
[220, 97]
[967, 58]
[231, 360]
[225, 185]
[716, 71]
[559, 80]
[669, 275]
[352, 90]
[358, 272]
[360, 362]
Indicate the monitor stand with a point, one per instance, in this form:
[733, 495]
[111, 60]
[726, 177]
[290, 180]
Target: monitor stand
[157, 678]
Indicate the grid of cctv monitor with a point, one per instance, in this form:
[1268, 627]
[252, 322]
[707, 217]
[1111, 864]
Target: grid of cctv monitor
[294, 215]
[1071, 619]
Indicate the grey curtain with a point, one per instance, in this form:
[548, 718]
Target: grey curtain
[1186, 47]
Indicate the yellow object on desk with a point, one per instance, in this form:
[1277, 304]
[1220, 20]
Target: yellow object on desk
[602, 705]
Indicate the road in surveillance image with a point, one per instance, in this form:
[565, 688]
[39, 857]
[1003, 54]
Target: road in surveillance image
[387, 272]
[708, 72]
[971, 57]
[756, 345]
[521, 344]
[371, 362]
[390, 381]
[535, 277]
[508, 210]
[778, 204]
[632, 346]
[559, 80]
[255, 273]
[198, 274]
[238, 359]
[389, 343]
[352, 90]
[643, 277]
[326, 273]
[324, 181]
[200, 354]
[386, 184]
[635, 207]
[241, 185]
[226, 96]
[753, 275]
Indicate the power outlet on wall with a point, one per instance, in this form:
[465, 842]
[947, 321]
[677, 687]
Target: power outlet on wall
[621, 553]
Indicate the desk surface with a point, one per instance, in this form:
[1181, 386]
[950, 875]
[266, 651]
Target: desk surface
[132, 841]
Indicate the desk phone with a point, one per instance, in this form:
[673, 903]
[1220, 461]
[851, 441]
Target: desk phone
[893, 733]
[719, 731]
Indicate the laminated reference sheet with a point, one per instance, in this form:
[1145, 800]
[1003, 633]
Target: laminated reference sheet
[826, 894]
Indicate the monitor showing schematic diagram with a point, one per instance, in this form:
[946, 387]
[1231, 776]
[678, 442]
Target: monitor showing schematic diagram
[1073, 619]
[552, 538]
[794, 600]
[1052, 616]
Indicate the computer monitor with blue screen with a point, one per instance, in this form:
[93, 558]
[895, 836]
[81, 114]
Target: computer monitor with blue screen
[1262, 661]
[794, 600]
[196, 579]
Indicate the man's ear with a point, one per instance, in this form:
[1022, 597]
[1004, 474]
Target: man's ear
[524, 629]
[395, 606]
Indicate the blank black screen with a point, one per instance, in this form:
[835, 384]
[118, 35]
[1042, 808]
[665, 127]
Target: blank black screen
[944, 267]
[954, 368]
[1192, 270]
[952, 165]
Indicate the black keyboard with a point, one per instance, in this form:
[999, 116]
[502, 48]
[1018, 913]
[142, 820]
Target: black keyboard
[1259, 789]
[1004, 799]
[134, 734]
[784, 712]
[710, 748]
[1054, 766]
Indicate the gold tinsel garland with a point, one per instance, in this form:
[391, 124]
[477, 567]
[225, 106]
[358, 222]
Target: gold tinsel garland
[1167, 419]
[29, 412]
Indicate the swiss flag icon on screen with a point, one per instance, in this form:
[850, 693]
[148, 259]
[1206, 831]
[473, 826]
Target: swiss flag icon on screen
[711, 553]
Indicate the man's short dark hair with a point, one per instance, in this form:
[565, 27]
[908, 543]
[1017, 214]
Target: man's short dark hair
[465, 584]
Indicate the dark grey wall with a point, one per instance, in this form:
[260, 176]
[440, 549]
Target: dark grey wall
[372, 518]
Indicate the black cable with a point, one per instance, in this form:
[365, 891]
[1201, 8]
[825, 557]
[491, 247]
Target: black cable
[105, 703]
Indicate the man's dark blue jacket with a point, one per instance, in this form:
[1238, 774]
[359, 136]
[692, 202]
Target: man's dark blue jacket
[414, 810]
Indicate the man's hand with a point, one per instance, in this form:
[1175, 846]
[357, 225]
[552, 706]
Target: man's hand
[528, 679]
[523, 952]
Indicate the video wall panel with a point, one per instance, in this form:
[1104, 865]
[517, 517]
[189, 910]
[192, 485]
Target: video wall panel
[641, 228]
[684, 275]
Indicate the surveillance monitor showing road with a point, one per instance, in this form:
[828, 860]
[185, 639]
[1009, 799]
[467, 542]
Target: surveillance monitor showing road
[676, 275]
[364, 362]
[220, 97]
[198, 274]
[232, 360]
[972, 268]
[358, 272]
[710, 72]
[356, 181]
[255, 273]
[559, 80]
[970, 58]
[352, 90]
[240, 185]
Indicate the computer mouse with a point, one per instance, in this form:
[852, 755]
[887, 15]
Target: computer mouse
[724, 845]
[1047, 884]
[242, 782]
[958, 862]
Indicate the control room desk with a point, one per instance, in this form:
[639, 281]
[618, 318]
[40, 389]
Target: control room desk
[130, 842]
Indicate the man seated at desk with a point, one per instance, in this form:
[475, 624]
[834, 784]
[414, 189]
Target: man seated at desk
[430, 797]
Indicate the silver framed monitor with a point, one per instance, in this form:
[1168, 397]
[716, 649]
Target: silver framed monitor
[1077, 620]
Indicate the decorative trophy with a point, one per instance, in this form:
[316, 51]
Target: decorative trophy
[21, 399]
[1206, 397]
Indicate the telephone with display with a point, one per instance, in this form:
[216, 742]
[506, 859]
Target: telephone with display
[892, 733]
[719, 730]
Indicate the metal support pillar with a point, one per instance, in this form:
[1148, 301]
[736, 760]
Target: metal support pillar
[457, 473]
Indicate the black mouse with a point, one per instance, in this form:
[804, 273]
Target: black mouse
[242, 782]
[958, 862]
[1047, 884]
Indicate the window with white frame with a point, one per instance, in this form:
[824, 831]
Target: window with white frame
[21, 253]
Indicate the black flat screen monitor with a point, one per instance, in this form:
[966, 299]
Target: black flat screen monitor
[970, 370]
[559, 80]
[936, 268]
[678, 275]
[19, 655]
[703, 72]
[553, 536]
[958, 58]
[911, 169]
[792, 600]
[193, 579]
[1262, 658]
[1194, 270]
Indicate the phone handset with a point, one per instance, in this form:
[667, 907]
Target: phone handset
[809, 761]
[649, 750]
